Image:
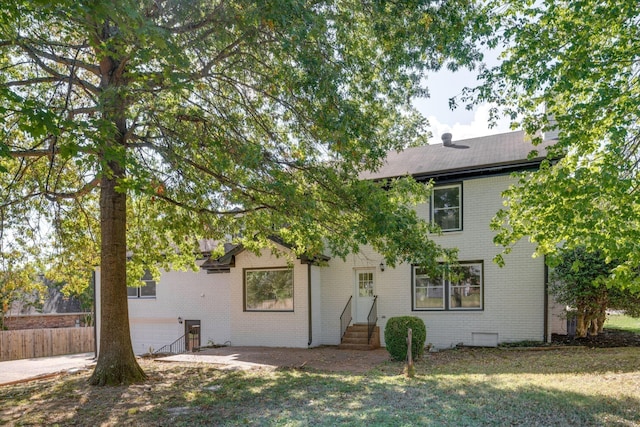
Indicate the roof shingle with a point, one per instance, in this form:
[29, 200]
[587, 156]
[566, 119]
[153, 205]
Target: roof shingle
[507, 149]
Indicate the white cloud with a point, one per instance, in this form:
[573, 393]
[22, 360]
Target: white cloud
[479, 126]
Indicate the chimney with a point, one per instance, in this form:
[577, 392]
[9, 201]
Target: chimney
[446, 139]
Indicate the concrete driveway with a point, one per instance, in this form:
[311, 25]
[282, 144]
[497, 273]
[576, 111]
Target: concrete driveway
[15, 371]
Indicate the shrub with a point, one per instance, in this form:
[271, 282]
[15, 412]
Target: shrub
[395, 336]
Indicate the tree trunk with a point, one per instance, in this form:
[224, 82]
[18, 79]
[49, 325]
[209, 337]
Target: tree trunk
[581, 325]
[602, 317]
[116, 362]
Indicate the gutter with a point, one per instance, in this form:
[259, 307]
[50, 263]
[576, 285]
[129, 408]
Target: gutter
[546, 302]
[309, 304]
[95, 318]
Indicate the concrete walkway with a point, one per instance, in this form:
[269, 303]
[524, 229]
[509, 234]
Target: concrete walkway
[15, 371]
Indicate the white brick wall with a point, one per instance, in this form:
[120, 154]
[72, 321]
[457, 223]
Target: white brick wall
[190, 295]
[274, 329]
[513, 295]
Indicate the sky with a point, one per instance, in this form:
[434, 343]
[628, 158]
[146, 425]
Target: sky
[461, 123]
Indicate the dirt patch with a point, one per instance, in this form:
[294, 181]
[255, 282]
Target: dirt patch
[332, 359]
[327, 358]
[607, 339]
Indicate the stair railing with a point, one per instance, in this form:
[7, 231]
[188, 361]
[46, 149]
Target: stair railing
[372, 318]
[176, 347]
[345, 318]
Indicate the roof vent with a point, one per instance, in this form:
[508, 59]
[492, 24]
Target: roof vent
[446, 139]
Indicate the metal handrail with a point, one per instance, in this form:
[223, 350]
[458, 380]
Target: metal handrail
[344, 321]
[176, 347]
[372, 318]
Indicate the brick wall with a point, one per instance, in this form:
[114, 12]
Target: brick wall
[42, 321]
[513, 308]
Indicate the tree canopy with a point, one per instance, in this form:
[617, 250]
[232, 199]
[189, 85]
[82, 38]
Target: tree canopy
[572, 67]
[135, 129]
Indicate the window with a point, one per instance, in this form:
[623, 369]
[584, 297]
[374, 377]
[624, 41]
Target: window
[268, 289]
[446, 207]
[459, 288]
[145, 290]
[365, 283]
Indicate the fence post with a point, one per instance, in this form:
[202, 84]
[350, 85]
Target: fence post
[410, 369]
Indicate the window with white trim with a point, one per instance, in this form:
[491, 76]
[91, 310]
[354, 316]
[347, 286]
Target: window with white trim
[458, 288]
[446, 207]
[268, 289]
[147, 288]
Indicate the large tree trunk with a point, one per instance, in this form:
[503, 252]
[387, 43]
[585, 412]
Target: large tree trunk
[116, 362]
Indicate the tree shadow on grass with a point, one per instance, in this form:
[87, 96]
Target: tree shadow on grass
[204, 395]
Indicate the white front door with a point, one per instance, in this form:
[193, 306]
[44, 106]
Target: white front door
[364, 291]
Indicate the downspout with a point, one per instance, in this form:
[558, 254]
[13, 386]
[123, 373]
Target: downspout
[95, 319]
[309, 304]
[546, 301]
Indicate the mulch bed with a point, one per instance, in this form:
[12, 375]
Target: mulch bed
[608, 338]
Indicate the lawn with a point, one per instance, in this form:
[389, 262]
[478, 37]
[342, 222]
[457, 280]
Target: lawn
[463, 387]
[625, 323]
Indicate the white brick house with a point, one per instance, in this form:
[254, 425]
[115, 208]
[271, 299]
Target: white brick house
[485, 305]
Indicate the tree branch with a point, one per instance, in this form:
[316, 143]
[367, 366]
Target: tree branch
[63, 60]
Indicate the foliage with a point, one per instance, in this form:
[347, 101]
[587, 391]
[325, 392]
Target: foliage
[395, 336]
[18, 283]
[579, 281]
[136, 129]
[572, 67]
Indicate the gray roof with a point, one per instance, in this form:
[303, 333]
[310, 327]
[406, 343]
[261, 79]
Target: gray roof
[494, 152]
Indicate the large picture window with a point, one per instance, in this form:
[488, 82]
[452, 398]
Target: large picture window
[147, 288]
[268, 289]
[446, 207]
[459, 288]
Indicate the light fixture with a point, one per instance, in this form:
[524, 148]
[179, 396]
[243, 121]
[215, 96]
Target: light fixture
[180, 320]
[382, 266]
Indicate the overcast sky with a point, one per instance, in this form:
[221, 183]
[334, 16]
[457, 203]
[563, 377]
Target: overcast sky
[461, 123]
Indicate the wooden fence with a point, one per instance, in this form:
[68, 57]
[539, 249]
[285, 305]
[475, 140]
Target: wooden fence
[30, 343]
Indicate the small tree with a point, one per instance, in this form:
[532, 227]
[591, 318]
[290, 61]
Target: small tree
[579, 281]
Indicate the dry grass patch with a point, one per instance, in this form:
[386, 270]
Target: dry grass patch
[576, 386]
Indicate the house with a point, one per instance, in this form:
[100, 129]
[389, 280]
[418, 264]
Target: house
[244, 299]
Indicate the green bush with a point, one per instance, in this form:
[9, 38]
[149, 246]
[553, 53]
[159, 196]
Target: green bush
[395, 336]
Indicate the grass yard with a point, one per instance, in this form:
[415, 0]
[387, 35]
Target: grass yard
[466, 387]
[625, 323]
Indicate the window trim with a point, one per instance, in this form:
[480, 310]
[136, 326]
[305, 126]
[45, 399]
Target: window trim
[244, 289]
[447, 291]
[146, 279]
[432, 208]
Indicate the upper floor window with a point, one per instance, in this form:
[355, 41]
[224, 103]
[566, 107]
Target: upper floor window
[147, 288]
[460, 288]
[446, 207]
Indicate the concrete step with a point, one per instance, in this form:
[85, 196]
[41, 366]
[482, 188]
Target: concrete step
[353, 334]
[356, 337]
[352, 340]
